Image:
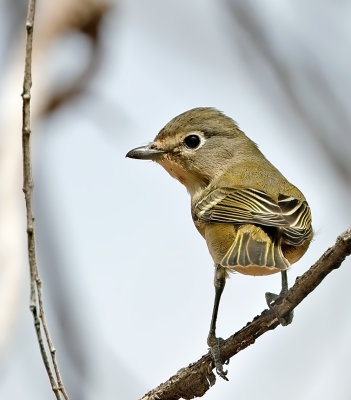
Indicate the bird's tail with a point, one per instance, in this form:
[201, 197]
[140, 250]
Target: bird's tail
[254, 252]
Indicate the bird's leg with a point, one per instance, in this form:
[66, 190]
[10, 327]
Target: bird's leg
[271, 297]
[213, 342]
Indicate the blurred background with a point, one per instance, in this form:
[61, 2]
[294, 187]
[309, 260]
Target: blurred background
[127, 280]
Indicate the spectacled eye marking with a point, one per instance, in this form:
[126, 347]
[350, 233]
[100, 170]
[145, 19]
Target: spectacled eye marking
[192, 142]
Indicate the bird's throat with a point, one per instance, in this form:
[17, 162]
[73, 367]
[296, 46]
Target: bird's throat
[192, 181]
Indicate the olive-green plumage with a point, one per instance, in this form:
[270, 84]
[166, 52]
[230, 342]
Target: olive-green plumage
[254, 221]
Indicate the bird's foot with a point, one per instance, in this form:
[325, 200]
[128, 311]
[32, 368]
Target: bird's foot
[270, 299]
[215, 348]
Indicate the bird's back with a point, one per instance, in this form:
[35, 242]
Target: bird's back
[254, 221]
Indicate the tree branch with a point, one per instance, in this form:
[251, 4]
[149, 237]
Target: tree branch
[197, 378]
[36, 297]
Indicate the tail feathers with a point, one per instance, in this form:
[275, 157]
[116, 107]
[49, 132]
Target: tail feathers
[254, 248]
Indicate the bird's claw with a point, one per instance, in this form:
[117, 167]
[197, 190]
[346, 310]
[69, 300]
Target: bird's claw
[270, 299]
[215, 349]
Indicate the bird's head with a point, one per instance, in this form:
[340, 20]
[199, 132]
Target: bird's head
[196, 146]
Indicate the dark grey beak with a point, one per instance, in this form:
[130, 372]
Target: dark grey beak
[145, 153]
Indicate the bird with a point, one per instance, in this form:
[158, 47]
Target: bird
[254, 221]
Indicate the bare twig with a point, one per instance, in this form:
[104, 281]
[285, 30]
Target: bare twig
[197, 378]
[36, 298]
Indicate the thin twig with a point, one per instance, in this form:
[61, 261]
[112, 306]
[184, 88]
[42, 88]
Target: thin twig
[197, 378]
[36, 298]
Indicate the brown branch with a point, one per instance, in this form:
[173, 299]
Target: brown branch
[197, 378]
[36, 297]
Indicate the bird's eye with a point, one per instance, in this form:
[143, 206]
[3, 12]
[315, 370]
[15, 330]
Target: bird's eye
[192, 141]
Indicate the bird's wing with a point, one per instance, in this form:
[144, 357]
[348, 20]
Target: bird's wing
[252, 206]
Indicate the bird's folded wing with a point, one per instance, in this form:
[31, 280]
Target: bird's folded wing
[252, 206]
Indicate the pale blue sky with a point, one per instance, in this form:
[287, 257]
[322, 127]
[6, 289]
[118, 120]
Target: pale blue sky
[120, 257]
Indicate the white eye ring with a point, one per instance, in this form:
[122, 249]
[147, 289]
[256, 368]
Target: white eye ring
[193, 141]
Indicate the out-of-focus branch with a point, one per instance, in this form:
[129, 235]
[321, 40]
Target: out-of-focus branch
[67, 17]
[252, 35]
[36, 298]
[197, 378]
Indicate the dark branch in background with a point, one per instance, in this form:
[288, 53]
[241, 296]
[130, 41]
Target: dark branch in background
[252, 36]
[85, 18]
[36, 298]
[197, 378]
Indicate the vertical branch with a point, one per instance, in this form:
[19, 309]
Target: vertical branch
[26, 132]
[36, 298]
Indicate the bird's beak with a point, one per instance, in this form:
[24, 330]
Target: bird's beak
[145, 153]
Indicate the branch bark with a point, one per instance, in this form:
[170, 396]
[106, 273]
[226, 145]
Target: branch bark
[197, 378]
[36, 297]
